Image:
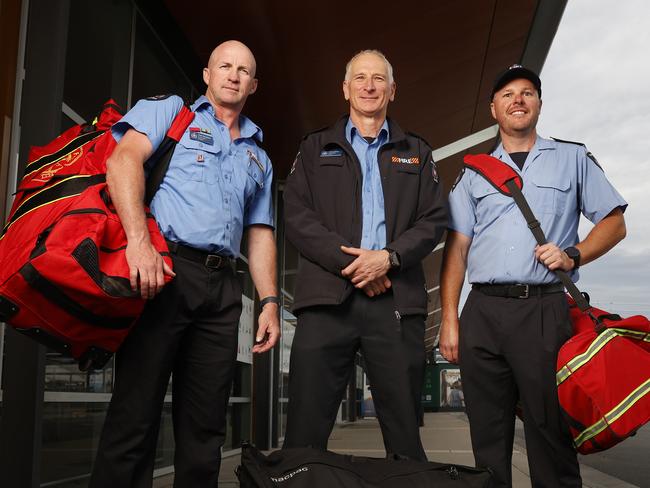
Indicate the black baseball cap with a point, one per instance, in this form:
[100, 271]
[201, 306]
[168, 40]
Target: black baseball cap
[515, 72]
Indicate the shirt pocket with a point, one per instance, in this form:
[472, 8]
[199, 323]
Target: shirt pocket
[482, 190]
[552, 193]
[248, 179]
[255, 178]
[331, 161]
[489, 202]
[201, 161]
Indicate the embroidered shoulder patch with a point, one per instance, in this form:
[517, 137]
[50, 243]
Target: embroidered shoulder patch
[458, 178]
[295, 162]
[593, 158]
[434, 171]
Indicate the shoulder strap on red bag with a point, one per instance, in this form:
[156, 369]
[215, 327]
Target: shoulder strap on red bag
[495, 171]
[159, 161]
[505, 179]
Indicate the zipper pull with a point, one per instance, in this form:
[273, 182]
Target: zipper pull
[397, 315]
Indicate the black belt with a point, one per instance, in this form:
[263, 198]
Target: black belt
[207, 259]
[518, 290]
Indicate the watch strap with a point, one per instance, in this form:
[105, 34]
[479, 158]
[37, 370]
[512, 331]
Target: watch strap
[393, 258]
[574, 253]
[269, 299]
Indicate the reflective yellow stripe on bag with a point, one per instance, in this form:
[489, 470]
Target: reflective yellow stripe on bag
[600, 342]
[614, 414]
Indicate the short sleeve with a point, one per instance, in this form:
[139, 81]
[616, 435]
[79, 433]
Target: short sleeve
[260, 209]
[151, 117]
[598, 197]
[462, 215]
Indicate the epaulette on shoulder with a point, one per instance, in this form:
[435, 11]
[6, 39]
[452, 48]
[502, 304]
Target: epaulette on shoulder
[160, 97]
[568, 142]
[314, 132]
[589, 153]
[417, 136]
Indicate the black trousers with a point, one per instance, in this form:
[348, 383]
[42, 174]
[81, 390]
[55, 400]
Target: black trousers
[322, 357]
[190, 330]
[508, 351]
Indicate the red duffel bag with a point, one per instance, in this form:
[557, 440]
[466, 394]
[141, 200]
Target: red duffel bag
[64, 279]
[603, 377]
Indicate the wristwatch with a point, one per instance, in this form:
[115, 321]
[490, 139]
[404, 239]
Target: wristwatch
[393, 258]
[574, 253]
[269, 299]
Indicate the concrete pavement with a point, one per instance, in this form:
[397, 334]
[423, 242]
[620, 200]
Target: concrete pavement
[445, 437]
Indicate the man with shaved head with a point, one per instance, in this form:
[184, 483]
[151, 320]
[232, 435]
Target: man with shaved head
[218, 184]
[363, 206]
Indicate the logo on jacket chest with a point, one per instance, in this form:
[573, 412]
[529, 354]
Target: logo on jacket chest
[398, 160]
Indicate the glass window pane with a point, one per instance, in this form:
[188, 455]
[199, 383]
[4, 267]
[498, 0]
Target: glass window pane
[238, 425]
[154, 71]
[62, 374]
[70, 435]
[97, 57]
[288, 257]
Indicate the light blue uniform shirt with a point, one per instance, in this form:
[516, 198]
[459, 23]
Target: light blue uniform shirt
[373, 234]
[560, 180]
[214, 187]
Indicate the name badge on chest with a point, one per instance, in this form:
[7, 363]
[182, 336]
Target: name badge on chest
[201, 135]
[331, 154]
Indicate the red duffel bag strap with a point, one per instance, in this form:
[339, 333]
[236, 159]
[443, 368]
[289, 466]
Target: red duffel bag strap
[505, 179]
[159, 161]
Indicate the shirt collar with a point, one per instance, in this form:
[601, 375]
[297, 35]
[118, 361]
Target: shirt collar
[351, 131]
[247, 128]
[541, 144]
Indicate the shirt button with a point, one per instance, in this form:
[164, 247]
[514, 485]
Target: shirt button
[221, 128]
[200, 144]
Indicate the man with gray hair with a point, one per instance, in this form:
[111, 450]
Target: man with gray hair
[363, 206]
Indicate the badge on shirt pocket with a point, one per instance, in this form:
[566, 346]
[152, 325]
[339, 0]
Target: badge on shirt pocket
[201, 136]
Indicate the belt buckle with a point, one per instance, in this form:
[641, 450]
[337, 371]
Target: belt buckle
[526, 292]
[213, 261]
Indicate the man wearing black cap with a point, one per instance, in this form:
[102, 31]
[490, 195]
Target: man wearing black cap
[516, 318]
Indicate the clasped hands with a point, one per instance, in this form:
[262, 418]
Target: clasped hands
[368, 271]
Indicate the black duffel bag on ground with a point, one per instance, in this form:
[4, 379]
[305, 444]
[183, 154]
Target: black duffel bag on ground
[313, 468]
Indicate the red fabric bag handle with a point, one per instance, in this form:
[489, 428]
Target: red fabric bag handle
[163, 155]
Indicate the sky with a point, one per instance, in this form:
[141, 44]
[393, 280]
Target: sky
[596, 90]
